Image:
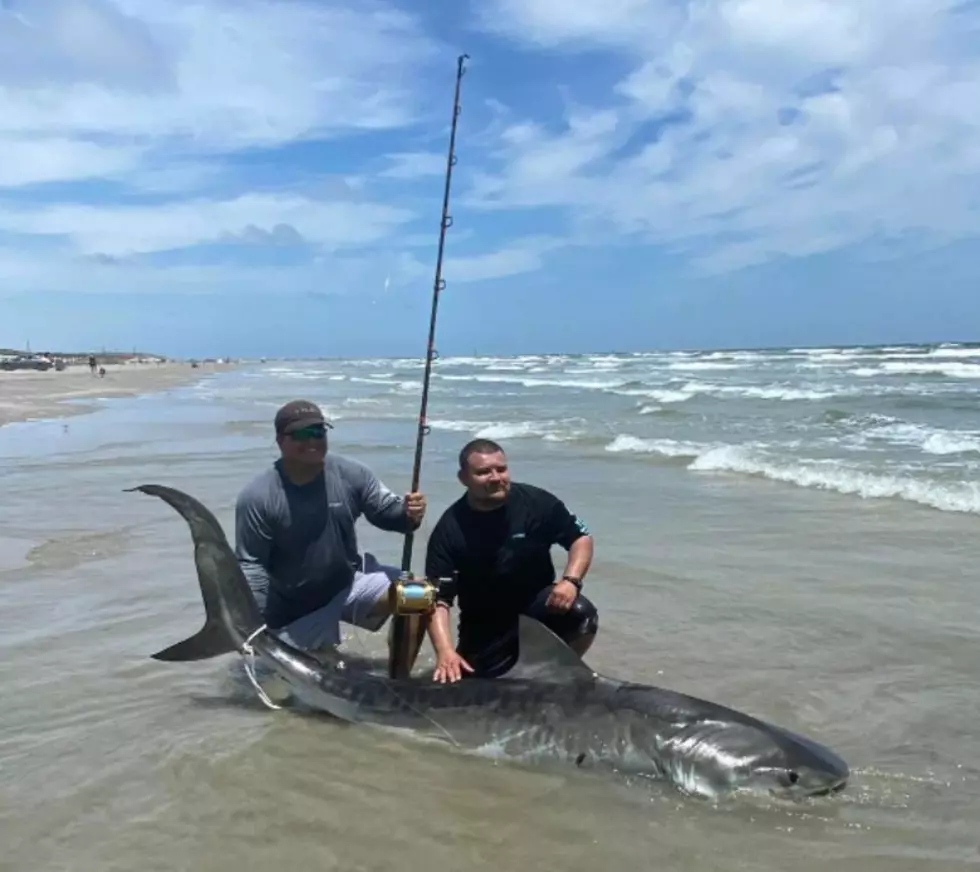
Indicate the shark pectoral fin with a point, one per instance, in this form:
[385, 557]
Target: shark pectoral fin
[545, 657]
[332, 705]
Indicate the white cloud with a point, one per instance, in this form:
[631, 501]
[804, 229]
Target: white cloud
[92, 89]
[220, 75]
[158, 97]
[524, 256]
[414, 165]
[521, 257]
[125, 231]
[24, 271]
[25, 161]
[558, 23]
[753, 129]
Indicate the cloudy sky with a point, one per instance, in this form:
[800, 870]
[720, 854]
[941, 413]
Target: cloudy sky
[265, 176]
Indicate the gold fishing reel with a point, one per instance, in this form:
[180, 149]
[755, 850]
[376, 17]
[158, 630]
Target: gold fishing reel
[408, 595]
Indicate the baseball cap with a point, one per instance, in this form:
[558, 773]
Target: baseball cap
[297, 414]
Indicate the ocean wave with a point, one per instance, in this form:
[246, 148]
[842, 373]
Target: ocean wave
[366, 401]
[785, 392]
[538, 382]
[774, 391]
[832, 355]
[381, 361]
[661, 396]
[953, 351]
[458, 426]
[514, 430]
[738, 355]
[953, 369]
[549, 431]
[625, 443]
[931, 440]
[512, 367]
[703, 365]
[830, 474]
[833, 475]
[285, 372]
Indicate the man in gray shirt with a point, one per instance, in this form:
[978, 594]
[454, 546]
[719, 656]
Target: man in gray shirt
[295, 538]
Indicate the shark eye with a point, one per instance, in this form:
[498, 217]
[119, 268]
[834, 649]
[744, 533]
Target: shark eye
[793, 777]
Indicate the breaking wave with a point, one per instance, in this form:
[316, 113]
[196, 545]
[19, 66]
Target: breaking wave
[550, 431]
[830, 474]
[833, 475]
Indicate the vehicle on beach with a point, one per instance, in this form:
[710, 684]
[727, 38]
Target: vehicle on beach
[39, 362]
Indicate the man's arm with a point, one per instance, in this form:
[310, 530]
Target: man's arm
[380, 505]
[572, 533]
[440, 633]
[440, 569]
[253, 544]
[579, 557]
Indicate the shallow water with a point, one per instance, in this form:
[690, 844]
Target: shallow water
[850, 619]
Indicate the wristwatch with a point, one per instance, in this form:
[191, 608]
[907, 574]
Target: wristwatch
[574, 580]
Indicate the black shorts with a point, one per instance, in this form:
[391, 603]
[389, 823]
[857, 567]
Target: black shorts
[582, 619]
[492, 654]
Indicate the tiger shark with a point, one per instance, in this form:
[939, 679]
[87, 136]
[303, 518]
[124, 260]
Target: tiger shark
[550, 707]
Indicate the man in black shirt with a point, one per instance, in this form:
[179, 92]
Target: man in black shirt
[492, 550]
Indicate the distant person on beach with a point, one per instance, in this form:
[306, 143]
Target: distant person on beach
[295, 538]
[492, 550]
[92, 363]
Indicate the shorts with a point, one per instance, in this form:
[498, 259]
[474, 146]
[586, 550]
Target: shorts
[353, 605]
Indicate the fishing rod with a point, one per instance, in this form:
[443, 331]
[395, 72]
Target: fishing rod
[411, 600]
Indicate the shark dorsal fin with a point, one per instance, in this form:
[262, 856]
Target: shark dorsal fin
[545, 657]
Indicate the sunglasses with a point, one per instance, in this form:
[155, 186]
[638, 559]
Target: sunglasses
[313, 431]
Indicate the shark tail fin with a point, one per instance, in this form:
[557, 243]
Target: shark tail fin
[213, 640]
[232, 614]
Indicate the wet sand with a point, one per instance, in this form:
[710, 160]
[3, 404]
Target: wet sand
[28, 395]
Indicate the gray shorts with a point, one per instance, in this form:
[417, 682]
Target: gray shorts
[353, 605]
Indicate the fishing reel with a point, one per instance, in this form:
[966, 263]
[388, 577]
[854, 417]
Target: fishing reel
[408, 595]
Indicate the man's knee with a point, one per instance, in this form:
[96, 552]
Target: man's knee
[584, 609]
[579, 622]
[367, 603]
[584, 626]
[381, 608]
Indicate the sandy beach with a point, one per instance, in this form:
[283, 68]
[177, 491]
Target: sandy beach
[27, 395]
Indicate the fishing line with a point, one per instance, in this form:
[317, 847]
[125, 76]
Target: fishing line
[248, 655]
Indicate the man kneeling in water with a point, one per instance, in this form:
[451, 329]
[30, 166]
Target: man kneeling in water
[492, 550]
[295, 535]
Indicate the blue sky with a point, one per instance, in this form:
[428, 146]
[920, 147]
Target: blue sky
[264, 177]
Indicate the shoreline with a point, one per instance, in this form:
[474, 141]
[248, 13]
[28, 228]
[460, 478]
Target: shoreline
[29, 395]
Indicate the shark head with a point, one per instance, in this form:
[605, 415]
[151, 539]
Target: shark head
[709, 750]
[794, 767]
[755, 759]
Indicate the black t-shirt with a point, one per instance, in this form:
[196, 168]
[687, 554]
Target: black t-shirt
[498, 561]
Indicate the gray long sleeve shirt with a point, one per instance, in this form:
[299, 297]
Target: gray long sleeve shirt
[297, 545]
